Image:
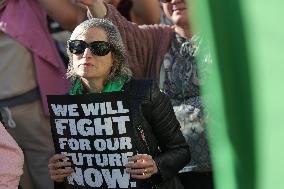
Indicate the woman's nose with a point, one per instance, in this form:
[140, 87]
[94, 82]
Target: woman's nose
[87, 52]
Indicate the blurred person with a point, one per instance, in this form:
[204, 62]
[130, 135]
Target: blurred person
[11, 160]
[2, 3]
[168, 55]
[138, 11]
[98, 63]
[60, 37]
[164, 19]
[30, 68]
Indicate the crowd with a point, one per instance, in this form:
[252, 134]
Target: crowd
[114, 46]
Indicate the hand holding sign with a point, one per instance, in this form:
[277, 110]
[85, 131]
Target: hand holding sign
[142, 168]
[94, 132]
[59, 167]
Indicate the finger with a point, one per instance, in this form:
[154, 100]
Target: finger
[58, 165]
[143, 176]
[148, 170]
[136, 171]
[59, 178]
[60, 171]
[140, 157]
[140, 164]
[66, 170]
[57, 157]
[136, 165]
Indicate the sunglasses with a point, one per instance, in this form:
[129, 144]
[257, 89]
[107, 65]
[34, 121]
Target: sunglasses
[99, 48]
[165, 1]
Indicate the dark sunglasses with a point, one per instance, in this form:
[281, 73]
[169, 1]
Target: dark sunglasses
[165, 1]
[99, 48]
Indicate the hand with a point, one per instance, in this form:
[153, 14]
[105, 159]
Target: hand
[59, 167]
[95, 7]
[141, 166]
[88, 3]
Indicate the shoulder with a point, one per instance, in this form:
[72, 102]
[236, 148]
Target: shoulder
[138, 86]
[143, 88]
[141, 83]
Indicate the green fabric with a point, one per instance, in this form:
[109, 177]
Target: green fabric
[114, 86]
[245, 125]
[76, 89]
[117, 85]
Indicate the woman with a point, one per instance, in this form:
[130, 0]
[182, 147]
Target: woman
[11, 160]
[98, 63]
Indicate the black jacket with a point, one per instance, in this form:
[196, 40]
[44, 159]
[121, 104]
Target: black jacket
[154, 118]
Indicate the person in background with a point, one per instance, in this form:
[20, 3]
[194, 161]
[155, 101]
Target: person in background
[60, 37]
[30, 68]
[11, 160]
[138, 11]
[98, 63]
[2, 3]
[168, 55]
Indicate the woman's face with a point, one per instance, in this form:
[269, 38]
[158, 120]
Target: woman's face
[176, 11]
[88, 65]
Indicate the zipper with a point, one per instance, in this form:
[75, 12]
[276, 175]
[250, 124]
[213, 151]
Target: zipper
[143, 137]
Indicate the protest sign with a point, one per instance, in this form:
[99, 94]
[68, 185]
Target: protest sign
[93, 131]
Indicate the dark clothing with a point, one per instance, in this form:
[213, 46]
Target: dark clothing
[197, 180]
[156, 131]
[154, 118]
[124, 7]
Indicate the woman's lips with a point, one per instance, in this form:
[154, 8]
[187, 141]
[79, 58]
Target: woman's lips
[179, 7]
[86, 65]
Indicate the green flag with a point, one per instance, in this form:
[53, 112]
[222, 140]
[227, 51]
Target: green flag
[245, 104]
